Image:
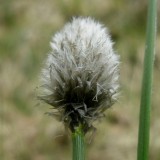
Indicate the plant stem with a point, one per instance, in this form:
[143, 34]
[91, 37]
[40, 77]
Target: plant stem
[144, 123]
[78, 144]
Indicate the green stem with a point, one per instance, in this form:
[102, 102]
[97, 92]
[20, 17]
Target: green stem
[78, 144]
[144, 123]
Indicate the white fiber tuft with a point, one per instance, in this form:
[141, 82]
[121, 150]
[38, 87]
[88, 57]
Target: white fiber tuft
[80, 78]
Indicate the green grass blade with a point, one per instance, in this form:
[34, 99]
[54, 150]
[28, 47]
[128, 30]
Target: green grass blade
[78, 142]
[144, 123]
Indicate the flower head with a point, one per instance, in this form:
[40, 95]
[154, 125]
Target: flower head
[81, 73]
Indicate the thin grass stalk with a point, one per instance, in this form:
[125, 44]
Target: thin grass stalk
[78, 142]
[145, 106]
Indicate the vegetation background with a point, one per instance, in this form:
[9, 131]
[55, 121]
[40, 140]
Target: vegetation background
[26, 27]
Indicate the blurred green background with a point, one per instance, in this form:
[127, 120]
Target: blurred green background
[26, 28]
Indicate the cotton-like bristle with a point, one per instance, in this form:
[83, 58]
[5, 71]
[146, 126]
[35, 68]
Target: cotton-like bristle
[80, 76]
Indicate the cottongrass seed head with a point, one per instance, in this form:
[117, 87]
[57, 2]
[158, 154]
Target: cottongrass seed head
[81, 74]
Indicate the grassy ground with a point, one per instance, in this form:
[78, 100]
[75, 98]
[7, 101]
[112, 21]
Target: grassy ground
[26, 28]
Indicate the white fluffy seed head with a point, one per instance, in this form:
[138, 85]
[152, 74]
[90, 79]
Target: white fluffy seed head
[80, 77]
